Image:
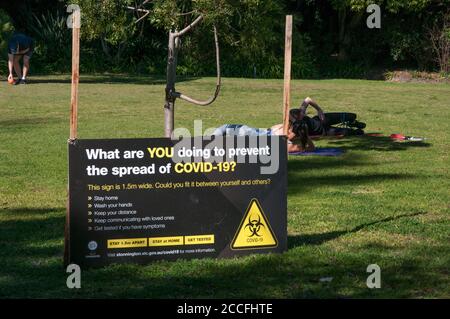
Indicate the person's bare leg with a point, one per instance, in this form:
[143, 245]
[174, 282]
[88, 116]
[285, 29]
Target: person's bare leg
[26, 66]
[10, 66]
[17, 66]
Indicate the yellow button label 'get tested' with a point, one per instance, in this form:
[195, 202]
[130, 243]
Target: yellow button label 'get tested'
[199, 240]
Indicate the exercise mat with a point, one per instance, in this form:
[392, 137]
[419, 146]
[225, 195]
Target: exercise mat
[325, 151]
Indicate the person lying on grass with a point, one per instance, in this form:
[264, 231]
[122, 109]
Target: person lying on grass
[298, 137]
[327, 124]
[303, 127]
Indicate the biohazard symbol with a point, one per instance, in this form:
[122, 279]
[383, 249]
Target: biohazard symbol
[254, 226]
[254, 230]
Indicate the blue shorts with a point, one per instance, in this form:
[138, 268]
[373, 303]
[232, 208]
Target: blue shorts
[241, 130]
[20, 42]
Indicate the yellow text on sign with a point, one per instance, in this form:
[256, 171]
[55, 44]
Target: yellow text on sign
[165, 241]
[199, 240]
[127, 243]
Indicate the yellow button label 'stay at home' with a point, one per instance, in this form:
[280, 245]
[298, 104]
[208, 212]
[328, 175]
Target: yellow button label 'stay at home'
[165, 241]
[127, 243]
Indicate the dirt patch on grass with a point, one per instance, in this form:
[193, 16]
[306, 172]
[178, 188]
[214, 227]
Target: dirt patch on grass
[434, 217]
[416, 76]
[366, 190]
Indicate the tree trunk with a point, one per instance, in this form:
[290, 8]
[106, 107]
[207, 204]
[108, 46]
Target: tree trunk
[169, 106]
[342, 17]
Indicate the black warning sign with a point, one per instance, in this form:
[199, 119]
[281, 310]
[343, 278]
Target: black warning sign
[138, 200]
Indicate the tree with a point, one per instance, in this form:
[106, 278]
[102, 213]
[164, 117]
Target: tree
[109, 22]
[440, 39]
[242, 23]
[168, 13]
[6, 30]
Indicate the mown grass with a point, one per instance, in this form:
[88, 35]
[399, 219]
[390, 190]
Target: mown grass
[382, 202]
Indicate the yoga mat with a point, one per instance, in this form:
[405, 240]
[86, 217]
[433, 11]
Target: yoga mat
[326, 151]
[400, 137]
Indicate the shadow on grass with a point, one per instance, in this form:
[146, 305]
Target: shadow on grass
[306, 174]
[318, 239]
[302, 164]
[375, 143]
[31, 257]
[28, 224]
[309, 184]
[109, 79]
[30, 121]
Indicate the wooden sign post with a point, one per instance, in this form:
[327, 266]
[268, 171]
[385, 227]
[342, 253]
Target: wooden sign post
[76, 22]
[75, 74]
[287, 74]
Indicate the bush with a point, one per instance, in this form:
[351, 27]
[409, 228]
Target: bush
[6, 31]
[53, 43]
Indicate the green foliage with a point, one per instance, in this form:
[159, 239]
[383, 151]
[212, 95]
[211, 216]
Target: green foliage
[250, 39]
[330, 38]
[403, 44]
[394, 6]
[106, 19]
[6, 30]
[172, 14]
[52, 42]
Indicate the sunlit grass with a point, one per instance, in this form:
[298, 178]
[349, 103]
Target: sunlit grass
[381, 202]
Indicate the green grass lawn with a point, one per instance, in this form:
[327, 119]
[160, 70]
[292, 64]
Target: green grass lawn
[382, 202]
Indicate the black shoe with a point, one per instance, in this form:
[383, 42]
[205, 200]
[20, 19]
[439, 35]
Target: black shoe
[21, 81]
[357, 124]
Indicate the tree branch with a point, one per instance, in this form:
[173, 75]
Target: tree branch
[189, 27]
[139, 10]
[186, 13]
[218, 81]
[146, 14]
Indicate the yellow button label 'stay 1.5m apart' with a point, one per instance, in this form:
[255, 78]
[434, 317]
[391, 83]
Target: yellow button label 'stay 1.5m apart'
[127, 243]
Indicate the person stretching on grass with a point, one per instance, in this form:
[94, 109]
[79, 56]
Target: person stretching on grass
[19, 46]
[298, 136]
[325, 123]
[302, 127]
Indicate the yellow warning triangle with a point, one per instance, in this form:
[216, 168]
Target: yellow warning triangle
[254, 230]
